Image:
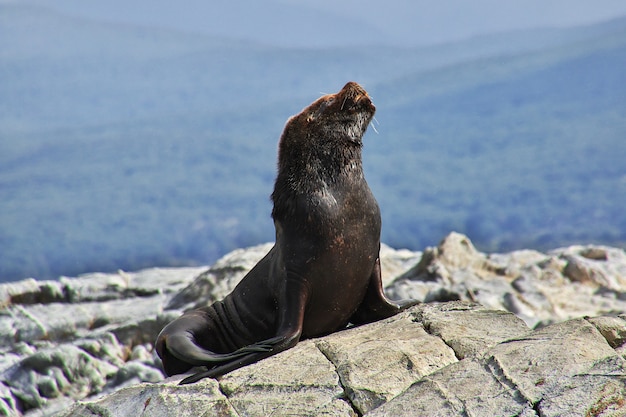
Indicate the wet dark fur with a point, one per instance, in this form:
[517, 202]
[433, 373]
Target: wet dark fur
[322, 273]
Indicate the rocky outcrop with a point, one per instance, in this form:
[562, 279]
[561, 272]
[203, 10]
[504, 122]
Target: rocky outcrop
[78, 337]
[437, 359]
[541, 288]
[463, 353]
[566, 368]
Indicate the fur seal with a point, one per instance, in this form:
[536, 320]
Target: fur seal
[324, 269]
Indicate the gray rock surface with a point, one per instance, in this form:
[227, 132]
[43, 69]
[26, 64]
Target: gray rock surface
[566, 368]
[75, 338]
[83, 346]
[540, 288]
[396, 367]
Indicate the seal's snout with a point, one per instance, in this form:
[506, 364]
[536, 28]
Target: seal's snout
[354, 89]
[353, 95]
[352, 86]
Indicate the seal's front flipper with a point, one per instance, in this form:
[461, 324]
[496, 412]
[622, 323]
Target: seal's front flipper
[376, 306]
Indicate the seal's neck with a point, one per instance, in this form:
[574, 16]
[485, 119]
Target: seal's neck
[307, 171]
[320, 165]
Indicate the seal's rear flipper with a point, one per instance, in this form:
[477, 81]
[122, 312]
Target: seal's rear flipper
[179, 350]
[225, 368]
[279, 343]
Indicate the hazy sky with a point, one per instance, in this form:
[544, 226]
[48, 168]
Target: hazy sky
[442, 21]
[434, 21]
[322, 23]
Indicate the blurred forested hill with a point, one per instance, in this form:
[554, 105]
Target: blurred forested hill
[124, 147]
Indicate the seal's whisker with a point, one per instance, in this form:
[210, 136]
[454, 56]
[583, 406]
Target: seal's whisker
[344, 102]
[376, 120]
[373, 127]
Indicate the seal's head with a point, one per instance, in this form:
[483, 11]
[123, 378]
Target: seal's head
[341, 116]
[329, 127]
[321, 147]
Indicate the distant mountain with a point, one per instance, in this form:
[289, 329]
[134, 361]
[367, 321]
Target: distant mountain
[126, 147]
[533, 159]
